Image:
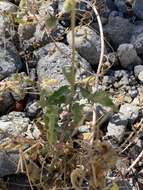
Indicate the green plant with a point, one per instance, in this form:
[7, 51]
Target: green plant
[67, 97]
[67, 159]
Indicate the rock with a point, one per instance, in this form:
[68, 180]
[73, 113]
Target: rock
[117, 126]
[32, 109]
[6, 28]
[6, 101]
[138, 72]
[16, 124]
[17, 182]
[8, 162]
[87, 43]
[121, 5]
[124, 81]
[130, 111]
[50, 66]
[113, 59]
[140, 76]
[9, 60]
[137, 37]
[107, 80]
[44, 36]
[118, 31]
[137, 42]
[123, 183]
[138, 8]
[45, 33]
[26, 31]
[7, 6]
[127, 55]
[110, 4]
[133, 93]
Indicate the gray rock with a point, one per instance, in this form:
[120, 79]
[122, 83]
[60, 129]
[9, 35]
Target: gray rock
[6, 29]
[8, 162]
[32, 108]
[130, 111]
[9, 60]
[118, 30]
[124, 81]
[110, 4]
[50, 66]
[124, 184]
[140, 76]
[15, 123]
[7, 6]
[45, 36]
[87, 43]
[113, 59]
[107, 80]
[137, 41]
[17, 182]
[138, 8]
[121, 5]
[117, 126]
[133, 93]
[127, 55]
[6, 102]
[138, 70]
[43, 32]
[26, 31]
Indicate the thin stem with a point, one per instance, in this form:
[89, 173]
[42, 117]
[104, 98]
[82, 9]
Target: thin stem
[73, 42]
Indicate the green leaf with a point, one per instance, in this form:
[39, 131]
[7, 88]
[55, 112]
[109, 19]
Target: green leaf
[102, 97]
[77, 111]
[51, 120]
[59, 96]
[51, 22]
[43, 98]
[69, 74]
[86, 94]
[114, 187]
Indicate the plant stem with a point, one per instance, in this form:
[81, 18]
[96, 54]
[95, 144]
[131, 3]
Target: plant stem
[73, 42]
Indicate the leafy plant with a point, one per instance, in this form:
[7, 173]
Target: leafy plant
[69, 159]
[68, 98]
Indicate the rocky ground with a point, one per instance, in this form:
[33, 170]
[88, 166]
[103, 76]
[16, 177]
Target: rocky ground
[30, 53]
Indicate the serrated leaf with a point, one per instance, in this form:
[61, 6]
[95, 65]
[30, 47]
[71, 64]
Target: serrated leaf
[85, 93]
[102, 97]
[77, 111]
[69, 74]
[51, 120]
[59, 96]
